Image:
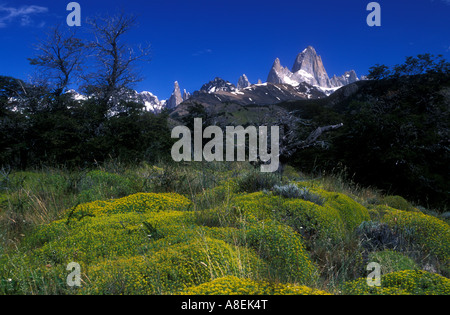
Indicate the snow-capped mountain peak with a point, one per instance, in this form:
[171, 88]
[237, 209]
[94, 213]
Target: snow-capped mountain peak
[308, 67]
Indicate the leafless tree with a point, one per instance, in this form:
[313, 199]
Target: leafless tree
[115, 59]
[59, 58]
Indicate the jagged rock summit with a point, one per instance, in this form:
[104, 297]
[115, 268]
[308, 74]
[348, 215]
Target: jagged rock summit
[243, 82]
[308, 67]
[218, 85]
[176, 98]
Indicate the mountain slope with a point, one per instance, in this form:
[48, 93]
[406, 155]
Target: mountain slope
[255, 95]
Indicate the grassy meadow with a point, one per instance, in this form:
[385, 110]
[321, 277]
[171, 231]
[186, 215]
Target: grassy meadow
[213, 228]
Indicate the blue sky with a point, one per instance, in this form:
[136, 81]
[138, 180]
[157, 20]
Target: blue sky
[194, 41]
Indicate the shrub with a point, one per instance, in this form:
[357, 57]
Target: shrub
[398, 202]
[138, 203]
[407, 282]
[283, 249]
[237, 286]
[337, 215]
[109, 229]
[291, 173]
[307, 218]
[293, 191]
[427, 231]
[106, 237]
[256, 181]
[171, 270]
[140, 244]
[376, 236]
[351, 212]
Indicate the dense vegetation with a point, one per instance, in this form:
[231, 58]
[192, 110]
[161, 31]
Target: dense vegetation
[395, 136]
[58, 130]
[212, 229]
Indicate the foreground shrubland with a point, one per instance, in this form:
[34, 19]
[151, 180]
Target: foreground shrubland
[213, 229]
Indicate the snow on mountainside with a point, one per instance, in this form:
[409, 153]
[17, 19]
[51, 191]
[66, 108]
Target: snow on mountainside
[308, 67]
[307, 79]
[256, 94]
[218, 85]
[151, 102]
[148, 99]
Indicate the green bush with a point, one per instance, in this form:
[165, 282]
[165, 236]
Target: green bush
[351, 212]
[407, 282]
[333, 220]
[307, 218]
[171, 270]
[427, 231]
[398, 202]
[293, 191]
[255, 180]
[283, 249]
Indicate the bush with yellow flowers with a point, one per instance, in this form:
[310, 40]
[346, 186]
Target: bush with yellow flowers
[337, 215]
[232, 285]
[141, 244]
[171, 270]
[351, 212]
[282, 248]
[105, 237]
[138, 203]
[398, 202]
[407, 282]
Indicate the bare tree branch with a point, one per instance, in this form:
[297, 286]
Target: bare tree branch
[59, 57]
[116, 60]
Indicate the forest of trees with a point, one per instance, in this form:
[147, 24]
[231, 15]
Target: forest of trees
[42, 124]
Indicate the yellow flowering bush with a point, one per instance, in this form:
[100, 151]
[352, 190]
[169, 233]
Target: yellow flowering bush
[331, 220]
[224, 241]
[232, 285]
[283, 249]
[351, 212]
[171, 270]
[139, 203]
[105, 237]
[398, 202]
[109, 229]
[141, 245]
[407, 282]
[428, 231]
[305, 217]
